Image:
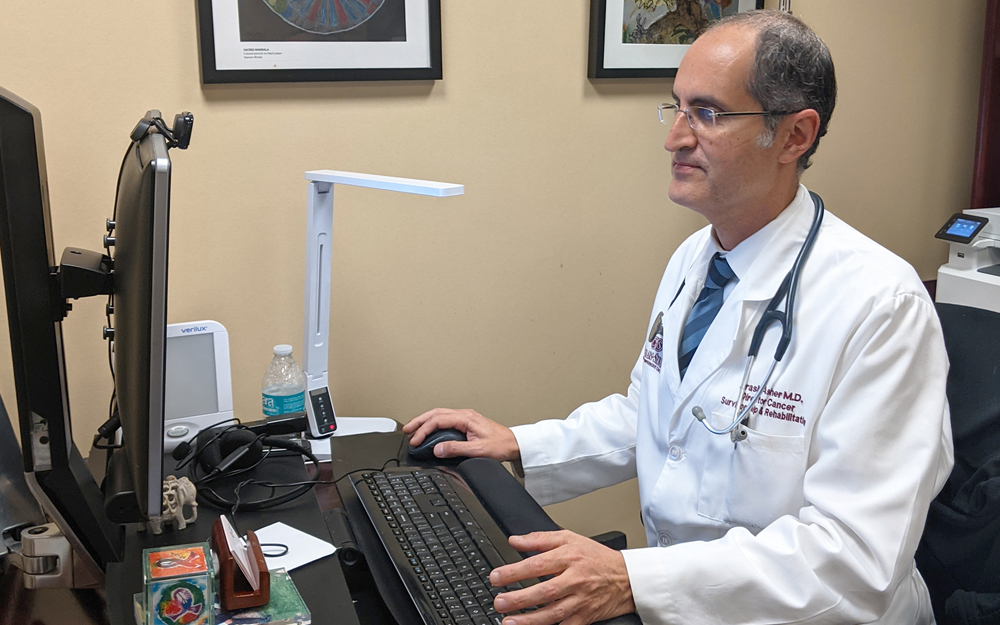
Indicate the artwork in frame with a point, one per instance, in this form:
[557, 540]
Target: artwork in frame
[253, 41]
[648, 38]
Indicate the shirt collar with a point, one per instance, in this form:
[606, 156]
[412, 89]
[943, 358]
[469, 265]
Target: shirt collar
[755, 256]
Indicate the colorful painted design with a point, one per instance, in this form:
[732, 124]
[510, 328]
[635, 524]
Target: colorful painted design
[325, 17]
[175, 562]
[671, 21]
[181, 603]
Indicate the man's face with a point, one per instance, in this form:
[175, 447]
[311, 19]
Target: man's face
[722, 169]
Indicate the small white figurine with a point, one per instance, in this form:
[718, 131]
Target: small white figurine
[177, 493]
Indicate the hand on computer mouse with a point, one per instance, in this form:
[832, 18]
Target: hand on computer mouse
[484, 438]
[425, 450]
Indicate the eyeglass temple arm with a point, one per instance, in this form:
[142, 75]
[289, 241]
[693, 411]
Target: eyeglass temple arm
[754, 113]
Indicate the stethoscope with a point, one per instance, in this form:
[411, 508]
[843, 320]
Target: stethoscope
[786, 294]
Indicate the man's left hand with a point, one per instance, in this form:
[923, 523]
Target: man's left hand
[590, 582]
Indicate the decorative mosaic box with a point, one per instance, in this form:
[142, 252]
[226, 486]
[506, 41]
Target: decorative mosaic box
[179, 585]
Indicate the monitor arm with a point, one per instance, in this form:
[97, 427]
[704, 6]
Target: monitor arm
[81, 273]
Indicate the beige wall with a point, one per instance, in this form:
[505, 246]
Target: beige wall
[523, 298]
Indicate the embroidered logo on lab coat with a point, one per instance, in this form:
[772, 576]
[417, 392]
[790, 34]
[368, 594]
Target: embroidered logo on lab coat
[653, 354]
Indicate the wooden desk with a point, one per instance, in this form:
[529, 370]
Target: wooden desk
[321, 583]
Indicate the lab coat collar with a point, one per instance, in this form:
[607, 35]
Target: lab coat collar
[760, 262]
[762, 259]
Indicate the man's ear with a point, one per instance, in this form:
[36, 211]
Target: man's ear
[799, 132]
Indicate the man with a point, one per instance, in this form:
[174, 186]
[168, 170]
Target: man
[811, 511]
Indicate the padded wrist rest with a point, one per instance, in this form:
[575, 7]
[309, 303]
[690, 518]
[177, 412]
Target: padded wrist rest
[514, 510]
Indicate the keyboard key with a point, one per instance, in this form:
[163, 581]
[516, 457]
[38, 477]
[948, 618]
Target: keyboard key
[492, 556]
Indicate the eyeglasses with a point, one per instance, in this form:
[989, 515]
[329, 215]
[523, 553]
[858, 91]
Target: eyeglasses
[700, 118]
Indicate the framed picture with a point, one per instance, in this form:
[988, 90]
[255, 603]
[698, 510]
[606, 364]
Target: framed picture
[251, 41]
[648, 38]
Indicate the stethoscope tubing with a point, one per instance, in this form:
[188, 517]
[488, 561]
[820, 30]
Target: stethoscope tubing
[741, 412]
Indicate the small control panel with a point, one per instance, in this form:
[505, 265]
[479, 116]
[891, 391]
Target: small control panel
[319, 407]
[961, 228]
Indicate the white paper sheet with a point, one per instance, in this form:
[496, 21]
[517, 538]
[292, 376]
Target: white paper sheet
[302, 548]
[247, 563]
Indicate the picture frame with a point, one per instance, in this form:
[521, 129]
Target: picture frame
[267, 41]
[613, 22]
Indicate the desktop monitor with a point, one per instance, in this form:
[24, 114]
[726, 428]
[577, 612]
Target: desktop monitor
[140, 310]
[37, 291]
[54, 469]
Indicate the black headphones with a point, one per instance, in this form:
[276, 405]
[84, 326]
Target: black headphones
[221, 452]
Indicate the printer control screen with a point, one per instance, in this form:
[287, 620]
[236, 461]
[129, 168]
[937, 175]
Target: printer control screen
[961, 228]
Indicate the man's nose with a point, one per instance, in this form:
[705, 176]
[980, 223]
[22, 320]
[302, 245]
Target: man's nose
[681, 135]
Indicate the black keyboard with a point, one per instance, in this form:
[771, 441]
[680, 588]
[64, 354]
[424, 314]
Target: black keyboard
[441, 540]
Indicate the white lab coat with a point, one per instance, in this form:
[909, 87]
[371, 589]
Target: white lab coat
[816, 516]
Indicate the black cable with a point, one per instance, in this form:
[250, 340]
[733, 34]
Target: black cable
[109, 446]
[274, 555]
[212, 497]
[198, 450]
[308, 484]
[285, 498]
[107, 430]
[167, 133]
[217, 474]
[111, 296]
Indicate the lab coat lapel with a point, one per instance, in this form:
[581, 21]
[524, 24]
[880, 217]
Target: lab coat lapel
[673, 327]
[715, 347]
[676, 317]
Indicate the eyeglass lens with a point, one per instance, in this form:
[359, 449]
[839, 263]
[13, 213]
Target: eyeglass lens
[698, 117]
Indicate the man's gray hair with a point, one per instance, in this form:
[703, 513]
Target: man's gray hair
[792, 71]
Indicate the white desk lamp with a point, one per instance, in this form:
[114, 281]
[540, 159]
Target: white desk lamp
[316, 324]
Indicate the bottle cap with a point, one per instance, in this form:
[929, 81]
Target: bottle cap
[282, 350]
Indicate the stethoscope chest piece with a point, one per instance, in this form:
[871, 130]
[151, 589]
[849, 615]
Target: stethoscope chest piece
[739, 434]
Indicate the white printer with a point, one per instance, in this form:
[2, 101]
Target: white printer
[972, 275]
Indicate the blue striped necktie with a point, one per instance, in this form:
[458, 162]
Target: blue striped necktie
[704, 310]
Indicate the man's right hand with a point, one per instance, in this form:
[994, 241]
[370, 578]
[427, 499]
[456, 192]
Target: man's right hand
[484, 438]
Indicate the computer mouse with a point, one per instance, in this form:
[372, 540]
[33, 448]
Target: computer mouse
[425, 450]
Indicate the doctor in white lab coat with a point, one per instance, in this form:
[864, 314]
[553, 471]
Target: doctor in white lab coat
[816, 515]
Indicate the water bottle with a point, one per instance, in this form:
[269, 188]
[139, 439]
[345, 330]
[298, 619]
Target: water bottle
[284, 385]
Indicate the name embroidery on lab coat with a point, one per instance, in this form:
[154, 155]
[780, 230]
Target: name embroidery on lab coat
[780, 405]
[653, 354]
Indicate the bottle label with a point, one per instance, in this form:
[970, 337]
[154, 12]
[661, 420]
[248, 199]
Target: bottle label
[274, 405]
